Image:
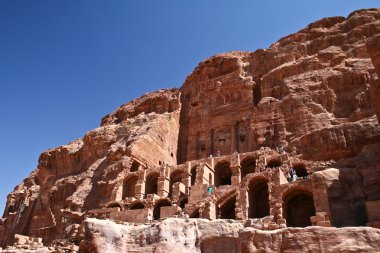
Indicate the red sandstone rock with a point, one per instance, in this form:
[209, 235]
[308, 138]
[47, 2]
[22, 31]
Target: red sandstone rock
[373, 46]
[222, 236]
[314, 92]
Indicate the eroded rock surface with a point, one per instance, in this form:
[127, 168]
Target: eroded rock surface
[227, 236]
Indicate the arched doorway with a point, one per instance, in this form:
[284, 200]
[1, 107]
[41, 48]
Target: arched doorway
[247, 166]
[227, 209]
[298, 208]
[258, 199]
[274, 163]
[151, 183]
[301, 171]
[136, 205]
[129, 187]
[193, 173]
[157, 208]
[223, 174]
[175, 177]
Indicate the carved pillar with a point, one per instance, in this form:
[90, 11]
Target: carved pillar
[140, 184]
[235, 179]
[320, 194]
[243, 203]
[163, 183]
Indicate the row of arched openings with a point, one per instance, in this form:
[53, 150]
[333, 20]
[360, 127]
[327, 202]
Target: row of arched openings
[156, 209]
[151, 181]
[298, 205]
[223, 171]
[129, 185]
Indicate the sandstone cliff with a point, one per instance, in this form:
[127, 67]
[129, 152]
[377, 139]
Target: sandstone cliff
[316, 93]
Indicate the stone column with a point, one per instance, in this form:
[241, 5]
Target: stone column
[321, 198]
[243, 203]
[163, 185]
[140, 185]
[235, 179]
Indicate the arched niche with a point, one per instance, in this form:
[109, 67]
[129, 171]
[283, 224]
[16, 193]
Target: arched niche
[247, 166]
[175, 177]
[258, 198]
[129, 186]
[151, 183]
[298, 208]
[223, 174]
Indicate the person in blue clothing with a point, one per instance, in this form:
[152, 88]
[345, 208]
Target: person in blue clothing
[209, 190]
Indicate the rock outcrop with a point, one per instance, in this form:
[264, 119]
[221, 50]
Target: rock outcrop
[288, 133]
[227, 236]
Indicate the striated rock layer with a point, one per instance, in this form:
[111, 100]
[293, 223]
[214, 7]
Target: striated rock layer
[314, 94]
[197, 235]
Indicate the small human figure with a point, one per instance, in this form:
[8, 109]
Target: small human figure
[292, 174]
[209, 190]
[218, 153]
[236, 152]
[149, 217]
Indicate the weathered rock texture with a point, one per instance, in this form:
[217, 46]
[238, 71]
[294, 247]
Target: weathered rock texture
[197, 235]
[239, 123]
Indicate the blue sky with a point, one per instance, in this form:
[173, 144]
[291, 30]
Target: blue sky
[66, 64]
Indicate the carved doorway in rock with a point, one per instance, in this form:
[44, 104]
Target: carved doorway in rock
[258, 198]
[223, 174]
[247, 166]
[151, 183]
[227, 208]
[298, 208]
[175, 177]
[129, 186]
[157, 208]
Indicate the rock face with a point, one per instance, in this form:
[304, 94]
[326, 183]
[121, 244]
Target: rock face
[373, 46]
[197, 235]
[230, 143]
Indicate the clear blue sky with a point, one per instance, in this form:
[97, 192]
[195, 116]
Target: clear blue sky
[66, 64]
